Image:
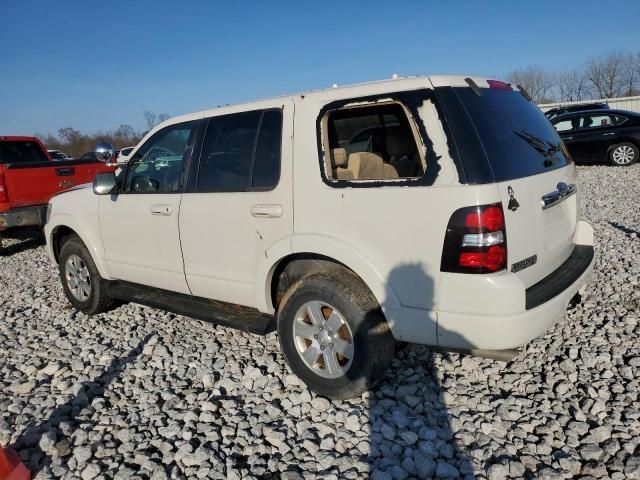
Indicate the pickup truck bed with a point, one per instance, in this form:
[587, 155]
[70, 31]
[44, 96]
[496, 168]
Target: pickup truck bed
[29, 178]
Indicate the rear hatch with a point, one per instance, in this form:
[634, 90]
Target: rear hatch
[503, 137]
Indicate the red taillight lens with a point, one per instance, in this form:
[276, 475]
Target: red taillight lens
[493, 259]
[490, 218]
[500, 85]
[476, 240]
[4, 196]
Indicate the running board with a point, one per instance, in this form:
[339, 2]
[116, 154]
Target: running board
[220, 313]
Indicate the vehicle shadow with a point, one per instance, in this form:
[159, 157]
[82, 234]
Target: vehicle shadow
[20, 240]
[63, 420]
[409, 415]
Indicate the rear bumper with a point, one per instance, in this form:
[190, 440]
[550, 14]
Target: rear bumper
[23, 217]
[546, 303]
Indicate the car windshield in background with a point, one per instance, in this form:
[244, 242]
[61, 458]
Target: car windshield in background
[518, 139]
[21, 152]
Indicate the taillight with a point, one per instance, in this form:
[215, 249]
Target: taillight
[476, 240]
[4, 195]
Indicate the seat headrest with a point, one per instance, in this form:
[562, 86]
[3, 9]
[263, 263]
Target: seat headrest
[339, 157]
[400, 141]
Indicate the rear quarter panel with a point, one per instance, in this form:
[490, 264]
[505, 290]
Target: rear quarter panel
[397, 231]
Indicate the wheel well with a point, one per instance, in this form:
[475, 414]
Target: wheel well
[293, 267]
[58, 237]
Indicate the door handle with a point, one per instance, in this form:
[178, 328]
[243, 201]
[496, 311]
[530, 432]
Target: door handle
[161, 209]
[608, 134]
[267, 211]
[65, 172]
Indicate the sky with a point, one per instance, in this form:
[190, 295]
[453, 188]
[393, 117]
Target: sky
[94, 65]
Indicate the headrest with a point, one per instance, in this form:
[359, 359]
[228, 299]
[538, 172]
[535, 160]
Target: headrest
[400, 141]
[339, 157]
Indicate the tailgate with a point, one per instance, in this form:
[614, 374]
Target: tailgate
[34, 184]
[503, 138]
[540, 237]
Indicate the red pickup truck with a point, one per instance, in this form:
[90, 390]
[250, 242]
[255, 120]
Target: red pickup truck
[29, 178]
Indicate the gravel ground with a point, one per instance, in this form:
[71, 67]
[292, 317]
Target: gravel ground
[140, 393]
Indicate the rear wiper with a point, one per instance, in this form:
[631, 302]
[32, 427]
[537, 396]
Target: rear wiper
[547, 149]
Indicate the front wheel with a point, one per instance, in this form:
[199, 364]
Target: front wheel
[623, 154]
[333, 334]
[80, 279]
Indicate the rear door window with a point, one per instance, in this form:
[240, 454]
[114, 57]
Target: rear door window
[241, 152]
[21, 152]
[596, 120]
[515, 137]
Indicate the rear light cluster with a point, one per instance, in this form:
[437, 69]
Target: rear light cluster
[4, 195]
[476, 240]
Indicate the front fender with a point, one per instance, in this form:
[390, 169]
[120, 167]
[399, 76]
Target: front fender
[87, 235]
[326, 246]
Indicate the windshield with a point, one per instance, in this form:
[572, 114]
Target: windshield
[20, 151]
[517, 138]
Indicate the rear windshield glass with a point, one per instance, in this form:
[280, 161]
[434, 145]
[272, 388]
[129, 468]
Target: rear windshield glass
[21, 152]
[517, 138]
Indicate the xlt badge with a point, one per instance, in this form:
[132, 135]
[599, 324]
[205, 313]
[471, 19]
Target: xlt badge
[522, 264]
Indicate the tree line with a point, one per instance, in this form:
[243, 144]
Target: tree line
[75, 143]
[610, 75]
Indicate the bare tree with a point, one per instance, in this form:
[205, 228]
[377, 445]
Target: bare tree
[150, 118]
[163, 116]
[573, 85]
[536, 81]
[125, 134]
[70, 135]
[609, 74]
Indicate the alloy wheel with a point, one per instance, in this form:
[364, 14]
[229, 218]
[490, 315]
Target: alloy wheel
[78, 278]
[623, 155]
[323, 339]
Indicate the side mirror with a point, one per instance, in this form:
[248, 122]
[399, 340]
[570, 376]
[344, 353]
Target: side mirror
[105, 152]
[104, 183]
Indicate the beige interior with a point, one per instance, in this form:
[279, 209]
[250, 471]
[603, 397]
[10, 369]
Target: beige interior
[339, 164]
[369, 166]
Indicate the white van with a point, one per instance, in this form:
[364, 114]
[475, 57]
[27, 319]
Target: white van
[436, 210]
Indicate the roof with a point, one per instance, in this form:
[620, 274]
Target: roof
[326, 95]
[395, 84]
[600, 111]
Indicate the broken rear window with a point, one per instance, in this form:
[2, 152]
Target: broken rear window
[372, 142]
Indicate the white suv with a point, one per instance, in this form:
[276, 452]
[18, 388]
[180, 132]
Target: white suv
[436, 210]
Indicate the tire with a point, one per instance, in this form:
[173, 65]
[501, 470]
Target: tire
[623, 154]
[75, 256]
[337, 298]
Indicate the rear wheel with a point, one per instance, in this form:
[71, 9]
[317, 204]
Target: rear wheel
[80, 279]
[623, 154]
[333, 334]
